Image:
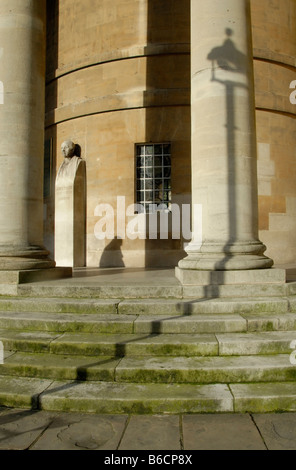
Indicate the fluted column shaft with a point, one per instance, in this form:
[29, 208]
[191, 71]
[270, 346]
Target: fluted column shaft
[22, 73]
[224, 164]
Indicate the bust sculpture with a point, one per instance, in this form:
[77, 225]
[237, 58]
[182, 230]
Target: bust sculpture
[71, 162]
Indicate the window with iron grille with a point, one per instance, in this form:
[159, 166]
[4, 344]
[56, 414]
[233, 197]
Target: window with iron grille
[153, 166]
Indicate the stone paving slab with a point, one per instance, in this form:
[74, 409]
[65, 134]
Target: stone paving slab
[277, 430]
[81, 432]
[19, 429]
[221, 432]
[43, 430]
[152, 433]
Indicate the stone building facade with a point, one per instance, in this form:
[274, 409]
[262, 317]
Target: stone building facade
[120, 83]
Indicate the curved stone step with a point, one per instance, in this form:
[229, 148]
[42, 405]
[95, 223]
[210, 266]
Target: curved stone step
[136, 344]
[121, 345]
[151, 369]
[58, 305]
[148, 306]
[204, 306]
[55, 322]
[269, 342]
[101, 323]
[113, 398]
[221, 369]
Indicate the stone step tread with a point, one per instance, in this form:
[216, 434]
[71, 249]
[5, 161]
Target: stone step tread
[61, 322]
[160, 290]
[108, 344]
[264, 397]
[147, 306]
[222, 369]
[206, 306]
[105, 290]
[135, 344]
[151, 369]
[145, 324]
[133, 398]
[59, 305]
[203, 344]
[109, 398]
[249, 343]
[63, 367]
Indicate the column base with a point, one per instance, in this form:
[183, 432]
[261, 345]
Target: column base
[237, 263]
[194, 277]
[17, 277]
[18, 259]
[229, 257]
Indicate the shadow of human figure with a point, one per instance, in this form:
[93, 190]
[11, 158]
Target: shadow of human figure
[112, 256]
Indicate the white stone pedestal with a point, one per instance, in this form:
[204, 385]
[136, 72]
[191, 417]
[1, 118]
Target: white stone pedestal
[70, 214]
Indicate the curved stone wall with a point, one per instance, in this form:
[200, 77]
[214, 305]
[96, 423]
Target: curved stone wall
[119, 75]
[274, 44]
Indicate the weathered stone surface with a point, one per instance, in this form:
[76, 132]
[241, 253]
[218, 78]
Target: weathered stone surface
[21, 392]
[60, 367]
[19, 429]
[278, 430]
[58, 305]
[136, 398]
[264, 398]
[82, 432]
[190, 324]
[136, 344]
[26, 340]
[22, 277]
[273, 342]
[221, 432]
[95, 323]
[152, 433]
[206, 369]
[238, 277]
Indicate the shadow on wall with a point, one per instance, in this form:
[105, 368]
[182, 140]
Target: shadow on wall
[229, 58]
[112, 251]
[167, 105]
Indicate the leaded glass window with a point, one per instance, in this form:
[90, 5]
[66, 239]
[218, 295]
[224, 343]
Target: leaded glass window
[153, 167]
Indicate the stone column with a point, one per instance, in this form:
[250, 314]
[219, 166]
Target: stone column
[224, 163]
[22, 73]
